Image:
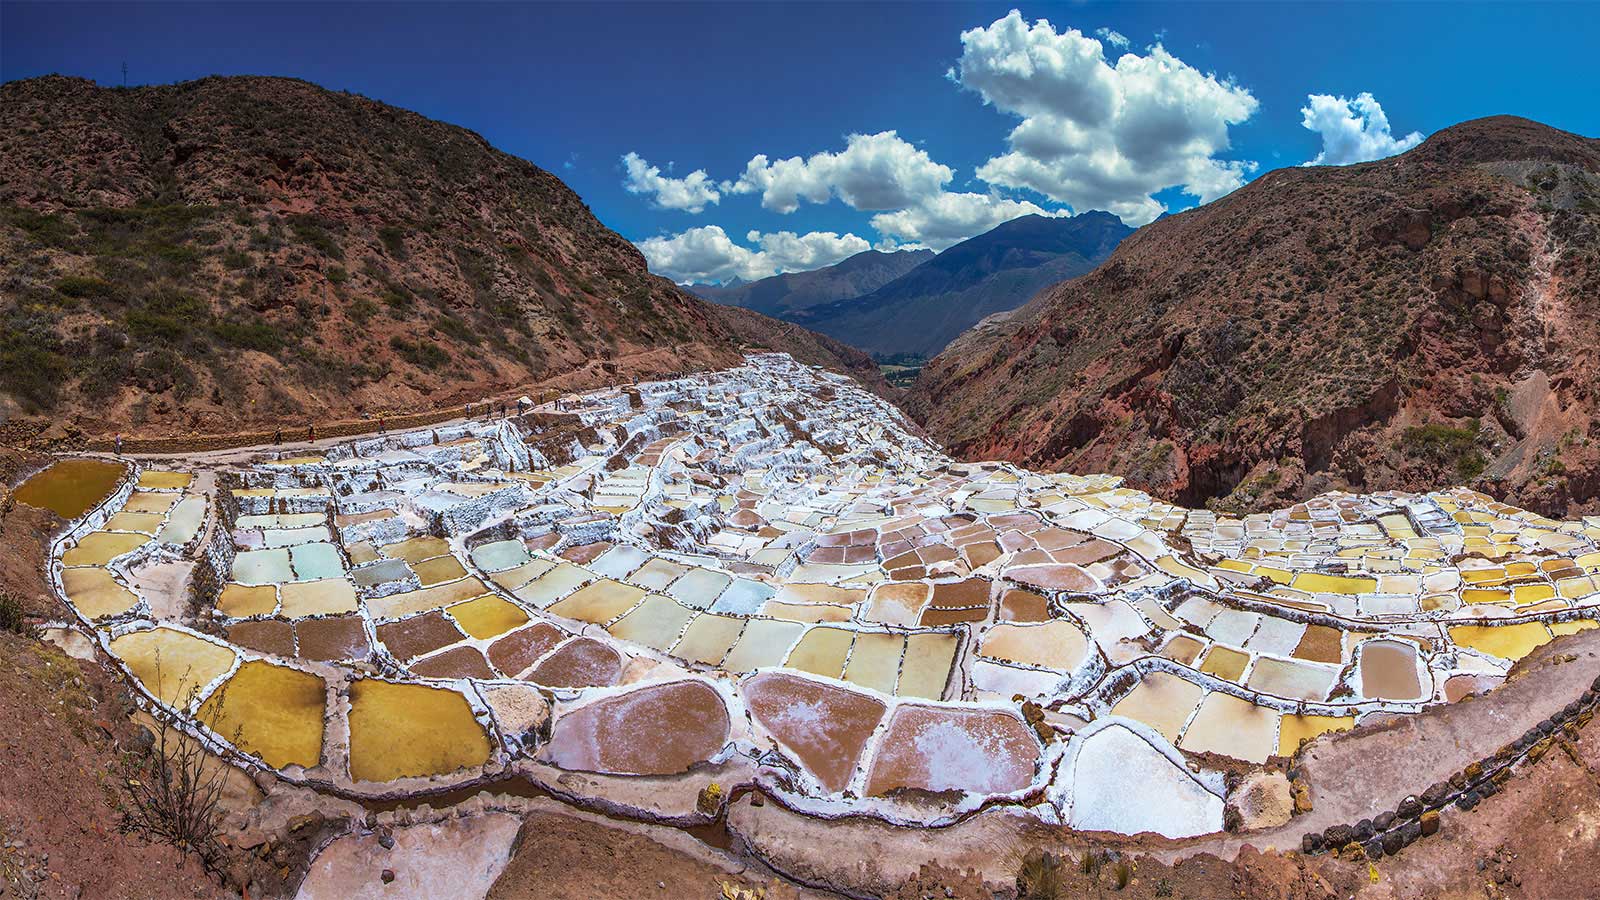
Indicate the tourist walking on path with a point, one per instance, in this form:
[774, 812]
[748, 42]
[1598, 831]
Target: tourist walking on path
[311, 433]
[277, 436]
[119, 445]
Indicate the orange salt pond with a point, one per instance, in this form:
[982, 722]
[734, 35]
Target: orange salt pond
[825, 726]
[954, 749]
[1233, 727]
[1054, 645]
[411, 730]
[660, 729]
[71, 487]
[1163, 701]
[273, 712]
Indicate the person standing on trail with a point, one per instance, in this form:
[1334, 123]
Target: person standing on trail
[382, 428]
[277, 436]
[119, 445]
[311, 433]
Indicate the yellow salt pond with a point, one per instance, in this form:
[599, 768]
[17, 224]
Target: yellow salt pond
[656, 622]
[925, 669]
[1233, 727]
[100, 547]
[244, 600]
[487, 616]
[171, 663]
[96, 593]
[875, 661]
[411, 730]
[71, 487]
[152, 479]
[273, 712]
[1293, 729]
[1317, 582]
[822, 652]
[709, 638]
[317, 598]
[599, 602]
[1505, 641]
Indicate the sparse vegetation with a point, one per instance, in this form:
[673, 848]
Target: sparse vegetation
[173, 795]
[1447, 445]
[12, 616]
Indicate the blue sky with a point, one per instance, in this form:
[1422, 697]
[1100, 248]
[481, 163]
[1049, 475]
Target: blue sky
[1013, 117]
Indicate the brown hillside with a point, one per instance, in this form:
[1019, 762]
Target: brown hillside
[1396, 324]
[234, 252]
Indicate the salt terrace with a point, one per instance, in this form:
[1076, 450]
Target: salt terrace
[765, 576]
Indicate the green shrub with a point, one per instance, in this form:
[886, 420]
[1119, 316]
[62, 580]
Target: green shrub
[312, 231]
[421, 353]
[80, 287]
[12, 617]
[252, 334]
[394, 241]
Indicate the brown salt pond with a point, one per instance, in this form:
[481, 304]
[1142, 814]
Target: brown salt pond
[825, 726]
[1389, 671]
[71, 487]
[520, 649]
[273, 636]
[332, 639]
[410, 638]
[660, 729]
[581, 662]
[273, 712]
[411, 730]
[940, 749]
[460, 662]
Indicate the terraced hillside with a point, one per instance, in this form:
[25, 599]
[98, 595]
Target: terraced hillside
[752, 601]
[235, 252]
[1403, 323]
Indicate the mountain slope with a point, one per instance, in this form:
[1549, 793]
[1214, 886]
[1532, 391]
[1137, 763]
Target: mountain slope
[1400, 323]
[996, 271]
[783, 295]
[232, 252]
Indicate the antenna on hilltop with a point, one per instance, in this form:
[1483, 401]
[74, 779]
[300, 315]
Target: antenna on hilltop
[124, 73]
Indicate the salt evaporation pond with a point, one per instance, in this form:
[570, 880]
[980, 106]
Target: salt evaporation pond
[71, 487]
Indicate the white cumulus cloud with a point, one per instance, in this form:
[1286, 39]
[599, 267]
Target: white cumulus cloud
[1113, 37]
[691, 193]
[1352, 130]
[945, 218]
[707, 254]
[873, 172]
[1101, 135]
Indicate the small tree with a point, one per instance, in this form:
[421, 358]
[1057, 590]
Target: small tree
[173, 795]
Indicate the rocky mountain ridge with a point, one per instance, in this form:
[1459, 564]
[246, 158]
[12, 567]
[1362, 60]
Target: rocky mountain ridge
[231, 252]
[783, 295]
[1403, 323]
[924, 309]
